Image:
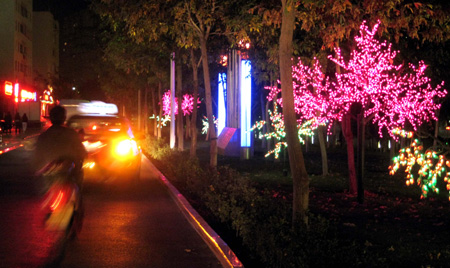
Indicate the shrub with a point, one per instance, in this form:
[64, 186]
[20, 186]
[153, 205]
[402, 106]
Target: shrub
[156, 148]
[260, 219]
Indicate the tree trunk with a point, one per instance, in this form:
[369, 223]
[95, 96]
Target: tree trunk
[160, 109]
[187, 133]
[263, 117]
[392, 150]
[146, 111]
[155, 122]
[360, 156]
[193, 150]
[436, 129]
[209, 110]
[179, 87]
[321, 132]
[348, 135]
[267, 127]
[296, 161]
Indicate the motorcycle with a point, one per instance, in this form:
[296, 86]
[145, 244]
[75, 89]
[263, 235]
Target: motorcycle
[62, 203]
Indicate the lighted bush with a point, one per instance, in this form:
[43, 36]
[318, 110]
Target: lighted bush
[155, 148]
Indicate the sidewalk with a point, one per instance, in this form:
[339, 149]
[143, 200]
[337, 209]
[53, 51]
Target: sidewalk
[11, 141]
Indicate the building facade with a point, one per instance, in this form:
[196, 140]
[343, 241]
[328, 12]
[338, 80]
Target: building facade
[28, 56]
[45, 47]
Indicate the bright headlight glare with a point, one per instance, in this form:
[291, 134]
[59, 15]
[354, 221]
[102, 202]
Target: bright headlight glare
[126, 147]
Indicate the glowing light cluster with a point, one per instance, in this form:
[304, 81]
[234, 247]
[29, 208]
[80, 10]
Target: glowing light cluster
[187, 104]
[310, 93]
[206, 124]
[431, 165]
[390, 93]
[166, 103]
[279, 134]
[403, 133]
[161, 122]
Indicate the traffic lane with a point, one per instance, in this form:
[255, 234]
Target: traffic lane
[138, 225]
[16, 174]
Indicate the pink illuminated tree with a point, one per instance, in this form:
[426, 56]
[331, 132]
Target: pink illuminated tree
[310, 91]
[187, 104]
[387, 94]
[310, 87]
[166, 103]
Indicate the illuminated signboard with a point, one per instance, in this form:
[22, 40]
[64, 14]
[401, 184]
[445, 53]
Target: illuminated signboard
[98, 107]
[16, 92]
[26, 95]
[8, 88]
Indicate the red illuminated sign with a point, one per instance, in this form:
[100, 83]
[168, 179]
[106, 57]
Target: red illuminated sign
[16, 92]
[26, 95]
[8, 88]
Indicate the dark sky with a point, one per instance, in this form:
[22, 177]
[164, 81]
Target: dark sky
[60, 8]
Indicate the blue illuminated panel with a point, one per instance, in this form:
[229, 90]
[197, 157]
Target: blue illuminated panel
[222, 115]
[246, 103]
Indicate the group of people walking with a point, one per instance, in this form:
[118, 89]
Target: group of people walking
[20, 123]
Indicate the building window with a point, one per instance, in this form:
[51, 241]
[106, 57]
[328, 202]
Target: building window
[23, 28]
[24, 11]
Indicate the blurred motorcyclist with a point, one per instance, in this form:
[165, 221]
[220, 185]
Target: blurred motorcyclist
[60, 142]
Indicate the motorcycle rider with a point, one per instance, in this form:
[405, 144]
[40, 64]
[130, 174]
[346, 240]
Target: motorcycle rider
[60, 142]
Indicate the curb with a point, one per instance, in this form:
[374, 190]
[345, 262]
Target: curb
[222, 251]
[12, 145]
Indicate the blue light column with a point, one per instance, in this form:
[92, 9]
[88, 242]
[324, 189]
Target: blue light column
[222, 114]
[246, 103]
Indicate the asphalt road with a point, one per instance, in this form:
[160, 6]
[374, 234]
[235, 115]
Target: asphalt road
[124, 226]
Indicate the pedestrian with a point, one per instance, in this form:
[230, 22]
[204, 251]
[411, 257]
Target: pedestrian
[17, 122]
[8, 122]
[2, 123]
[24, 122]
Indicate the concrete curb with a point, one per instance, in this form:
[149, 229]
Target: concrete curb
[225, 255]
[15, 144]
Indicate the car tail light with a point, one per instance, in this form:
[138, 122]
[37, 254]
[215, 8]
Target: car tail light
[126, 148]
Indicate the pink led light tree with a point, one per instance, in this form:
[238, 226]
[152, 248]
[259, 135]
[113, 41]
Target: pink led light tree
[310, 93]
[166, 103]
[310, 103]
[187, 104]
[388, 94]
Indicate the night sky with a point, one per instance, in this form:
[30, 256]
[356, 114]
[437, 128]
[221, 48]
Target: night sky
[60, 8]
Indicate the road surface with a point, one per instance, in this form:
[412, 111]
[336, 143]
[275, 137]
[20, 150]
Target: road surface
[124, 226]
